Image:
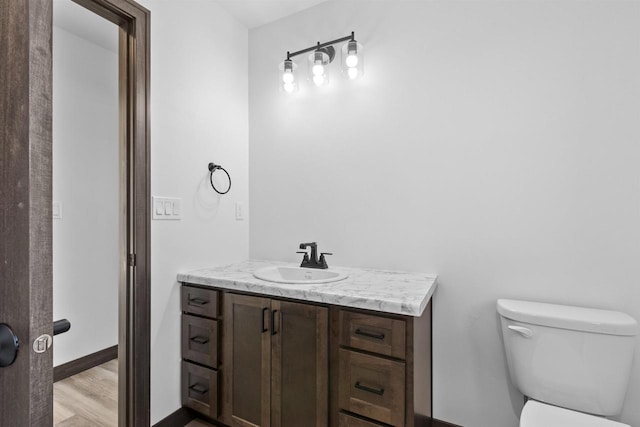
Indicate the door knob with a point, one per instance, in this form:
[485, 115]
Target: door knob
[9, 344]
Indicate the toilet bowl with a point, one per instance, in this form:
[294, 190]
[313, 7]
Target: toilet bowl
[537, 414]
[573, 363]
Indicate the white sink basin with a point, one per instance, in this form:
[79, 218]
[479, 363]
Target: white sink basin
[298, 275]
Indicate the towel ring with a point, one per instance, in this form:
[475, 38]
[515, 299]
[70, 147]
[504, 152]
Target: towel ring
[212, 168]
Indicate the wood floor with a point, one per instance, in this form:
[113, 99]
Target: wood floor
[90, 399]
[87, 399]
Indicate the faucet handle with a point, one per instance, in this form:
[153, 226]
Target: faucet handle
[305, 258]
[322, 261]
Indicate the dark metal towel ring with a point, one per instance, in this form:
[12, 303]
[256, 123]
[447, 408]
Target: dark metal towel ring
[212, 168]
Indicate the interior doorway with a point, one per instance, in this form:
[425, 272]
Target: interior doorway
[132, 207]
[89, 213]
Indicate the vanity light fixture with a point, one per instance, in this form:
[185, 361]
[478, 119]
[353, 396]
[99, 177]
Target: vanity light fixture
[322, 54]
[353, 59]
[288, 82]
[318, 70]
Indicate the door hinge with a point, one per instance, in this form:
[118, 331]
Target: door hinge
[131, 259]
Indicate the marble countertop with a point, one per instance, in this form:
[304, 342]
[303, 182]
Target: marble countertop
[379, 290]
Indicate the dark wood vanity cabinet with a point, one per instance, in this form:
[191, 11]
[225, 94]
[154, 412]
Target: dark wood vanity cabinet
[276, 363]
[254, 361]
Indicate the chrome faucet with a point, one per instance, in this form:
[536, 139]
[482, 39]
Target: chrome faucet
[311, 260]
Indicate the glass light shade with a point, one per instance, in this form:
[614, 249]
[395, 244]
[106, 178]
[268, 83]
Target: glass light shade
[318, 68]
[352, 60]
[288, 80]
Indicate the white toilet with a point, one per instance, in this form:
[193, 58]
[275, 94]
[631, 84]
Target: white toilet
[572, 363]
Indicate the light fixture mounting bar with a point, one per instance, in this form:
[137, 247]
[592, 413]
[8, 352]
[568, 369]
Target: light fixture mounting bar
[321, 45]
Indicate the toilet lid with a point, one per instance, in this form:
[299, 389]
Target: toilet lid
[536, 414]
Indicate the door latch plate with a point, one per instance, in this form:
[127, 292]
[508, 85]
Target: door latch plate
[42, 343]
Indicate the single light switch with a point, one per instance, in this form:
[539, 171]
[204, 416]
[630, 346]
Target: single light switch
[176, 208]
[168, 209]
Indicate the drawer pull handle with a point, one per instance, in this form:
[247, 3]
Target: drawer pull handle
[199, 339]
[200, 389]
[378, 391]
[369, 334]
[198, 301]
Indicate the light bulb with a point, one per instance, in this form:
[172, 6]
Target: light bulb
[317, 70]
[352, 60]
[318, 80]
[287, 77]
[288, 87]
[353, 73]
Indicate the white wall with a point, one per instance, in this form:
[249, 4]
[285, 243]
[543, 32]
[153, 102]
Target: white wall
[199, 114]
[493, 143]
[85, 181]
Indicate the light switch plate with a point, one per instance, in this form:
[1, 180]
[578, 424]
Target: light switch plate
[166, 208]
[239, 211]
[57, 210]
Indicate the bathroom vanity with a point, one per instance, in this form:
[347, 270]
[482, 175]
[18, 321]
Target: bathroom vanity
[352, 353]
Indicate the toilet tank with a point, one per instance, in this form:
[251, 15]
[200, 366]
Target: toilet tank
[573, 357]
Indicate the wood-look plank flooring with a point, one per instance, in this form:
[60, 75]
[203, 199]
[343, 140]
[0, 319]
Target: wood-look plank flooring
[90, 399]
[87, 399]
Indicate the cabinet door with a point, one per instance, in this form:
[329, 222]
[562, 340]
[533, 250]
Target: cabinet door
[247, 361]
[299, 367]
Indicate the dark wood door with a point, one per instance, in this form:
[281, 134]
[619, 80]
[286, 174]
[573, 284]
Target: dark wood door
[299, 367]
[25, 208]
[246, 365]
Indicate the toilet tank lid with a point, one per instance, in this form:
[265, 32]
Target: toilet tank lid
[568, 317]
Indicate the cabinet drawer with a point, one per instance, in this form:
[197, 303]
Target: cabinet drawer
[203, 302]
[372, 386]
[346, 420]
[200, 389]
[376, 334]
[200, 340]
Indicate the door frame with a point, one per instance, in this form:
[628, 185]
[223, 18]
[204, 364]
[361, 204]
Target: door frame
[134, 303]
[26, 206]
